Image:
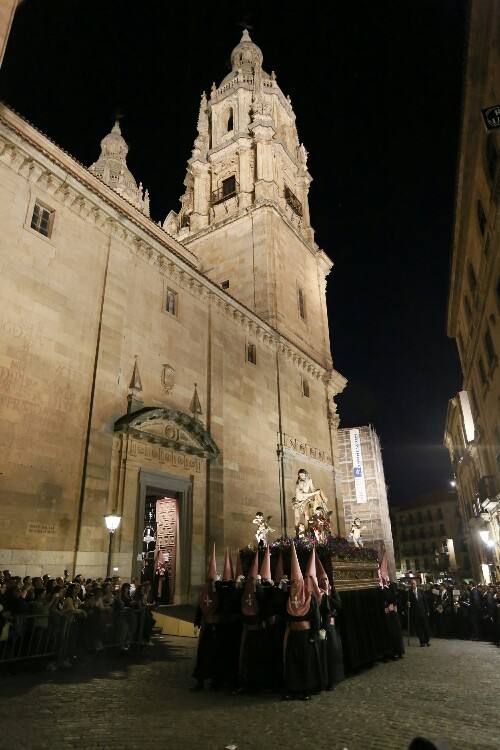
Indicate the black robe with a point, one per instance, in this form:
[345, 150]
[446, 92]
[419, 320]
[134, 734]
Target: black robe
[228, 633]
[332, 657]
[394, 634]
[272, 609]
[302, 660]
[207, 666]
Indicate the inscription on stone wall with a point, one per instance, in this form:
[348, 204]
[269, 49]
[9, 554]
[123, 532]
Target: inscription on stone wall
[299, 446]
[41, 529]
[165, 456]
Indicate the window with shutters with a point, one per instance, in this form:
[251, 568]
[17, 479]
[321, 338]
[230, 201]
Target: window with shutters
[42, 219]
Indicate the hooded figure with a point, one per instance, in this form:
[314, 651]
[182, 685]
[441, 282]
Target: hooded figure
[272, 602]
[311, 580]
[302, 664]
[332, 658]
[229, 627]
[253, 665]
[395, 644]
[207, 619]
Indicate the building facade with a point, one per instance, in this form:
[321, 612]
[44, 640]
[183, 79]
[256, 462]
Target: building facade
[472, 433]
[361, 486]
[177, 375]
[429, 537]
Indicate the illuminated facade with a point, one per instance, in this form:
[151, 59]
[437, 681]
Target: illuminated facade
[472, 433]
[181, 370]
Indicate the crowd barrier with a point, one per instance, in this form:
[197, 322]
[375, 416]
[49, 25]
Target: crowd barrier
[63, 636]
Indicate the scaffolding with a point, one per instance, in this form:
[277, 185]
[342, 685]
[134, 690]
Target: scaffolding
[368, 502]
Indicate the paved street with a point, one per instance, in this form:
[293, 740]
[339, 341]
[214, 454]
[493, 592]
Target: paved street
[449, 690]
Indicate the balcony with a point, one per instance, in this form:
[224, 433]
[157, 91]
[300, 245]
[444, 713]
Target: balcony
[228, 189]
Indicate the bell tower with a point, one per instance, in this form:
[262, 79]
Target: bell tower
[245, 209]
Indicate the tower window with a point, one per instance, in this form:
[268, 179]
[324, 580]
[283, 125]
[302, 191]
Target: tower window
[42, 219]
[293, 201]
[252, 353]
[171, 303]
[229, 186]
[301, 303]
[230, 121]
[481, 217]
[185, 221]
[225, 284]
[305, 388]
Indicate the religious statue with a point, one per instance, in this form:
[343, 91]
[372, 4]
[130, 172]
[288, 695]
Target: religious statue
[354, 535]
[263, 529]
[306, 498]
[320, 524]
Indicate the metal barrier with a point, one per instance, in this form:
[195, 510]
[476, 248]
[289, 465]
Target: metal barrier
[62, 636]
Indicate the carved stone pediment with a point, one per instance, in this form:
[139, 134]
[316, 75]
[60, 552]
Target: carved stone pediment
[170, 428]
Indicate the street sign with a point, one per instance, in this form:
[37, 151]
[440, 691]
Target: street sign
[491, 117]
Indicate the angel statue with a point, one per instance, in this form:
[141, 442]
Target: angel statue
[307, 498]
[263, 529]
[354, 535]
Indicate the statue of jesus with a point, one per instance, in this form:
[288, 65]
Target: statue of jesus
[307, 498]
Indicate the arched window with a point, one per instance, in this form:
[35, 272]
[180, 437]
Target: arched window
[230, 120]
[185, 221]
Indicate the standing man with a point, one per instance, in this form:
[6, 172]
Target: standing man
[419, 613]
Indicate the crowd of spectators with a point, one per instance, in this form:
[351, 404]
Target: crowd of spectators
[468, 611]
[59, 615]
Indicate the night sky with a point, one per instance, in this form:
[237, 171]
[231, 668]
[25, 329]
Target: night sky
[376, 88]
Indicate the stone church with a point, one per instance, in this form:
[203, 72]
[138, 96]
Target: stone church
[177, 375]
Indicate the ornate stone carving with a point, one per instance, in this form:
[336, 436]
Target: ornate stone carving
[167, 378]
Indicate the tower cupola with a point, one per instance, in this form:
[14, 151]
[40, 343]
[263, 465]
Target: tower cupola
[246, 56]
[111, 168]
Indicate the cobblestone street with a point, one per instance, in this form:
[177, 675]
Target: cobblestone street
[447, 691]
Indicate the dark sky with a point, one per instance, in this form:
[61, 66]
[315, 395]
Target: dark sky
[376, 88]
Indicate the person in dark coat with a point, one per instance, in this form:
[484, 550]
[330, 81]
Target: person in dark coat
[395, 636]
[272, 608]
[229, 625]
[331, 647]
[302, 664]
[207, 620]
[254, 667]
[419, 614]
[475, 611]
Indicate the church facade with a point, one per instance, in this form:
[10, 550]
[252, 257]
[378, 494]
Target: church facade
[178, 376]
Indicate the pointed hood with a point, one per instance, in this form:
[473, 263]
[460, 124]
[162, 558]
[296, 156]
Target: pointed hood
[239, 569]
[299, 600]
[212, 566]
[227, 573]
[311, 580]
[321, 575]
[265, 568]
[249, 605]
[279, 571]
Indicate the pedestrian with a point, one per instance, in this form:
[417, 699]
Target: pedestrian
[419, 614]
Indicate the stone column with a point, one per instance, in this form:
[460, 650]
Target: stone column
[201, 195]
[246, 173]
[265, 186]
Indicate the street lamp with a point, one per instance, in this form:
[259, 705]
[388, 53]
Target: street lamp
[112, 523]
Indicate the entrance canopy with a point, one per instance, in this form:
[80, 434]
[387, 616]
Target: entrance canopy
[170, 428]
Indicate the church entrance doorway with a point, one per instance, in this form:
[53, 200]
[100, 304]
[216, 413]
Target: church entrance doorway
[163, 539]
[159, 546]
